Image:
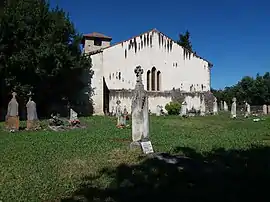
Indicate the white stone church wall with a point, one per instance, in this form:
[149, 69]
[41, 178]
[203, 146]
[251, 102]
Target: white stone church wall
[154, 99]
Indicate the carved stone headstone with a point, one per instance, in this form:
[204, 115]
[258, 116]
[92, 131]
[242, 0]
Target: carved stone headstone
[140, 116]
[265, 109]
[12, 117]
[32, 118]
[221, 105]
[158, 110]
[118, 112]
[225, 106]
[183, 110]
[247, 109]
[268, 107]
[73, 116]
[202, 107]
[233, 108]
[215, 107]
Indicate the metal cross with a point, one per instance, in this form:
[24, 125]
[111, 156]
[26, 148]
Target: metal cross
[138, 71]
[14, 95]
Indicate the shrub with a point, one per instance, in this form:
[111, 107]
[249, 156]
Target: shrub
[173, 108]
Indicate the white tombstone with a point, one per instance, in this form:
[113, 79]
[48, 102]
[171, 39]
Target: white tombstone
[183, 111]
[233, 108]
[140, 114]
[73, 116]
[215, 107]
[225, 106]
[202, 107]
[158, 110]
[265, 109]
[247, 110]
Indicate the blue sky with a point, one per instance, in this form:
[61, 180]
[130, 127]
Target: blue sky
[233, 34]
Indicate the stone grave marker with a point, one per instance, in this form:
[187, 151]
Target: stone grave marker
[233, 108]
[147, 147]
[215, 107]
[183, 110]
[12, 117]
[202, 107]
[247, 110]
[265, 109]
[158, 110]
[32, 117]
[268, 109]
[221, 105]
[225, 106]
[140, 115]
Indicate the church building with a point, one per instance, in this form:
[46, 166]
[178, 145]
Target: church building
[170, 72]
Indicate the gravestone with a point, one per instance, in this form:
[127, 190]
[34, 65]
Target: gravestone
[113, 112]
[225, 106]
[158, 110]
[268, 107]
[118, 112]
[233, 108]
[183, 110]
[32, 118]
[247, 110]
[215, 106]
[73, 116]
[265, 109]
[125, 116]
[202, 107]
[12, 117]
[221, 106]
[140, 115]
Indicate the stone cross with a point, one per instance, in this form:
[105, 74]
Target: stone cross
[118, 112]
[183, 110]
[140, 116]
[233, 108]
[12, 117]
[215, 107]
[265, 109]
[138, 71]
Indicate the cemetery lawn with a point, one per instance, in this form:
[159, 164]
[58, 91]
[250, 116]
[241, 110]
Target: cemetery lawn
[50, 166]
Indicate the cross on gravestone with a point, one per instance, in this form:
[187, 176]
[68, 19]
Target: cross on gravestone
[12, 117]
[138, 71]
[14, 94]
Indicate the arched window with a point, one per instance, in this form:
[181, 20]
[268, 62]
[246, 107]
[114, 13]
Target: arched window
[153, 79]
[148, 77]
[158, 80]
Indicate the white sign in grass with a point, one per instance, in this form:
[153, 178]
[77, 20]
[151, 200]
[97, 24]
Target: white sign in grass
[147, 147]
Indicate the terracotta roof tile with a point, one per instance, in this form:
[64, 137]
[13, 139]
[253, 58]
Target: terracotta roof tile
[97, 35]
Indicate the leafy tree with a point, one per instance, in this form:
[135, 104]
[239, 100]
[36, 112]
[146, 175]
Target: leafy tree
[40, 52]
[256, 90]
[184, 40]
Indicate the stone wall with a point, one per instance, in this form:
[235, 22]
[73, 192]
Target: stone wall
[161, 98]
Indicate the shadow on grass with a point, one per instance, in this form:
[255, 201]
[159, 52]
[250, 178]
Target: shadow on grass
[220, 175]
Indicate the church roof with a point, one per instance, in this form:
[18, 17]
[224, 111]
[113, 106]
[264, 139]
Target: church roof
[97, 35]
[152, 30]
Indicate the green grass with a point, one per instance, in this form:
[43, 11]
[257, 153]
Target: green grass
[48, 166]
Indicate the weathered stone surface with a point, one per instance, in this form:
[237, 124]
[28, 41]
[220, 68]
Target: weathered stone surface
[140, 116]
[12, 118]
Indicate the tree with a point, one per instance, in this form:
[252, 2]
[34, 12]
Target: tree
[256, 91]
[184, 41]
[40, 51]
